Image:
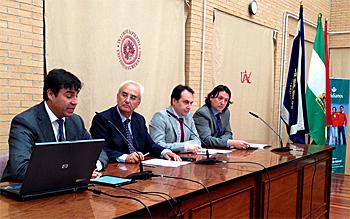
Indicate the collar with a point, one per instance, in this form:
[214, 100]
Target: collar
[215, 112]
[174, 112]
[122, 116]
[52, 116]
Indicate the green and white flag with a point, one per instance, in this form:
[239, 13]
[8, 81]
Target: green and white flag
[316, 89]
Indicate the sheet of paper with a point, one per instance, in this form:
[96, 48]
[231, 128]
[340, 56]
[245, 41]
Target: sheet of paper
[214, 151]
[165, 163]
[259, 146]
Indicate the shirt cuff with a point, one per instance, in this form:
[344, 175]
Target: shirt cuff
[164, 152]
[122, 158]
[228, 143]
[186, 146]
[99, 165]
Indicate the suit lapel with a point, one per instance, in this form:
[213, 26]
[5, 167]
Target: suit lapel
[213, 119]
[135, 128]
[45, 124]
[117, 120]
[174, 124]
[69, 125]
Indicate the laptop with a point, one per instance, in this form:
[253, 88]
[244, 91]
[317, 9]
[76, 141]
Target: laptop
[56, 167]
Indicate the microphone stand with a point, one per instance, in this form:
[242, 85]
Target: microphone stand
[208, 160]
[142, 175]
[281, 148]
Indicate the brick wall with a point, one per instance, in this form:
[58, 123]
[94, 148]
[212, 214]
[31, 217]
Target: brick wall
[340, 22]
[21, 59]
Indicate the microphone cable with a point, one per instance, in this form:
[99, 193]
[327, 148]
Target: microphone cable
[206, 189]
[158, 194]
[268, 177]
[99, 192]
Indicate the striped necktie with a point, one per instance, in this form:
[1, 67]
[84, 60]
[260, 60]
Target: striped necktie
[129, 136]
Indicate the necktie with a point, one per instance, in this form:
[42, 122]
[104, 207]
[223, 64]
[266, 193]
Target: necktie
[60, 136]
[220, 129]
[129, 136]
[182, 131]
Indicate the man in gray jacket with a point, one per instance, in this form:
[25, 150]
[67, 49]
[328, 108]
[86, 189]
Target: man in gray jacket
[173, 127]
[213, 120]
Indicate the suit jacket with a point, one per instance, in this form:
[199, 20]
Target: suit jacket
[165, 132]
[34, 126]
[115, 144]
[206, 126]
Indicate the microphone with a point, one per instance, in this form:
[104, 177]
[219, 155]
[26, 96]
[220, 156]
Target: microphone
[189, 128]
[142, 175]
[281, 149]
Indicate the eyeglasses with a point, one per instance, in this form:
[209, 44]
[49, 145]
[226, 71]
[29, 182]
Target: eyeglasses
[131, 97]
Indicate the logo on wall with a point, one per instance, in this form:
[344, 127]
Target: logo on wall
[245, 77]
[129, 49]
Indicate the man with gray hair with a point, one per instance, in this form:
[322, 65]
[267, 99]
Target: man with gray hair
[124, 130]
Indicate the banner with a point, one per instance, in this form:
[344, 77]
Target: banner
[238, 63]
[338, 132]
[294, 106]
[105, 42]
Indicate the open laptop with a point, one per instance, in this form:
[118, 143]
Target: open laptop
[56, 167]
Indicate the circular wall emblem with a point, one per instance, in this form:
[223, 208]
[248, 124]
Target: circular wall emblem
[129, 49]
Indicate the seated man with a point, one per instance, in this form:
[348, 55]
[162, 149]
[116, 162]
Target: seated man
[51, 120]
[124, 130]
[167, 126]
[213, 120]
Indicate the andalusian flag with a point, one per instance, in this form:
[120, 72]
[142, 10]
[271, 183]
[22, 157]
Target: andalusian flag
[316, 88]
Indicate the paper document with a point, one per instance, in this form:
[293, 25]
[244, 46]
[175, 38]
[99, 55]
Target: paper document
[214, 151]
[259, 146]
[165, 163]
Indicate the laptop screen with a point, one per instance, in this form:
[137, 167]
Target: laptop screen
[60, 165]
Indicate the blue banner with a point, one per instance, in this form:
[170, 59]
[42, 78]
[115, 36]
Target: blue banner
[294, 103]
[337, 133]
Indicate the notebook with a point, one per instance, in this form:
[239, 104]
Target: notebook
[56, 167]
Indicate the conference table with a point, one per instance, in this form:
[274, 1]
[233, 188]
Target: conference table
[250, 184]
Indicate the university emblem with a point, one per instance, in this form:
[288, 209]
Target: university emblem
[129, 49]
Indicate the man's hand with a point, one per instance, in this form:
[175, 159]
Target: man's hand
[134, 157]
[193, 148]
[239, 144]
[171, 156]
[96, 174]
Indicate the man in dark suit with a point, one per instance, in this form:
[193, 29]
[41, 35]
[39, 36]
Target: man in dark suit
[51, 120]
[213, 120]
[134, 141]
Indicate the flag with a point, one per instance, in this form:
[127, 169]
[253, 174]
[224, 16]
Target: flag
[328, 93]
[316, 88]
[294, 104]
